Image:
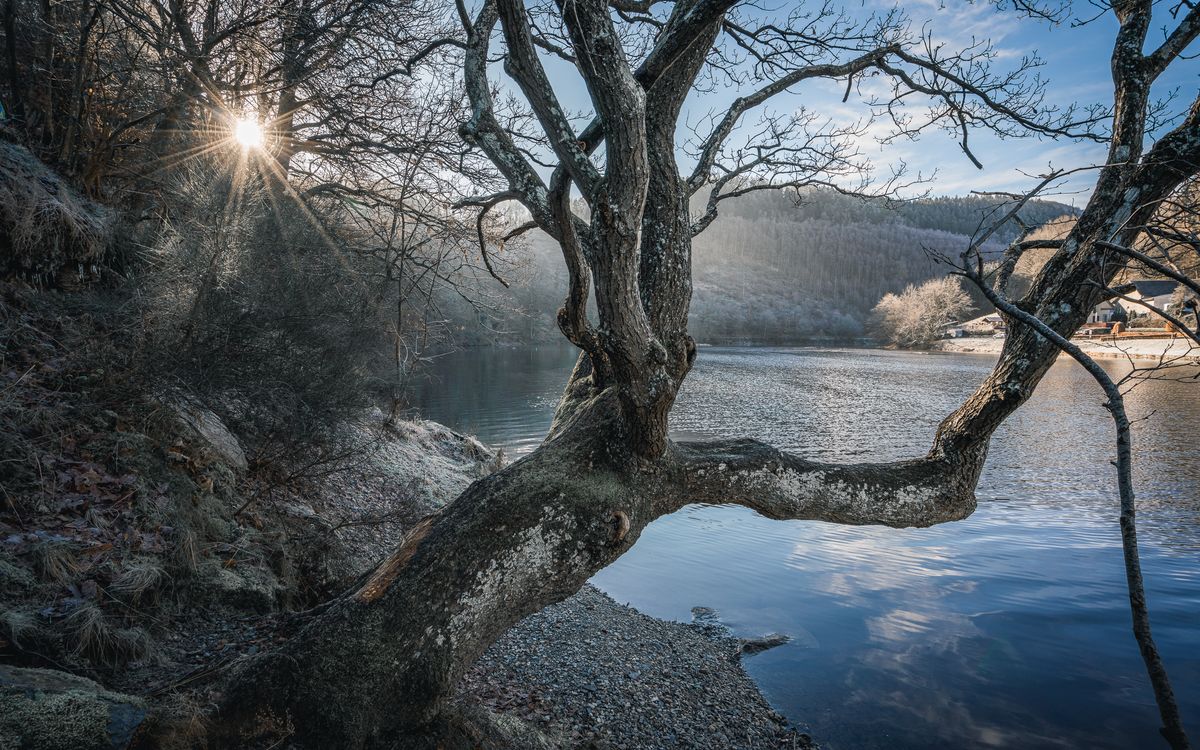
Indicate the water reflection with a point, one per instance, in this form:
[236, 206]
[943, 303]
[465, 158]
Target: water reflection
[506, 397]
[1006, 630]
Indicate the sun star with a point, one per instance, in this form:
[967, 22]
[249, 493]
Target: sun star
[248, 133]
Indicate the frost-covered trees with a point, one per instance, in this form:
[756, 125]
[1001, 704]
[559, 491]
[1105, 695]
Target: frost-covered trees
[918, 316]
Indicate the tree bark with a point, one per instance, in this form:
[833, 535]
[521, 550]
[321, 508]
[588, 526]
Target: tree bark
[284, 125]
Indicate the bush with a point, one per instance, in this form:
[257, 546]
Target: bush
[919, 315]
[265, 315]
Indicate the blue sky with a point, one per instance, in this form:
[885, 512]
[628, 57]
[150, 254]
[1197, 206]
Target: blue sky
[1076, 69]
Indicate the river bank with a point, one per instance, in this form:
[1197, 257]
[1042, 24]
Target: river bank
[1136, 349]
[142, 553]
[970, 617]
[585, 673]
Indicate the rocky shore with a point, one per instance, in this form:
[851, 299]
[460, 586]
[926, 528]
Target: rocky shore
[145, 556]
[592, 673]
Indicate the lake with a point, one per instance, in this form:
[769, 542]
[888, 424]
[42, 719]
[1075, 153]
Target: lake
[1010, 629]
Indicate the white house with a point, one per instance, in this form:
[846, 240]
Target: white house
[1105, 312]
[1156, 294]
[983, 325]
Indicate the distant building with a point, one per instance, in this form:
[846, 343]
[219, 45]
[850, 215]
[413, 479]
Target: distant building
[984, 325]
[1105, 312]
[1095, 329]
[1153, 293]
[1156, 294]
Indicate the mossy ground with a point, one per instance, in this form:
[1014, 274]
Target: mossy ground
[114, 517]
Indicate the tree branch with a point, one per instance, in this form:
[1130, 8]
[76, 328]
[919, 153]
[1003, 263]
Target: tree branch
[713, 144]
[483, 130]
[1174, 45]
[920, 492]
[525, 67]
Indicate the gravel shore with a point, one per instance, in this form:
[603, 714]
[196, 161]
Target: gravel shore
[601, 675]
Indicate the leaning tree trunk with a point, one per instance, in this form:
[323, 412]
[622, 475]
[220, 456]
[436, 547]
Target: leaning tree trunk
[376, 667]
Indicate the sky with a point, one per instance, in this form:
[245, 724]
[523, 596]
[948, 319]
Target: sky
[1076, 69]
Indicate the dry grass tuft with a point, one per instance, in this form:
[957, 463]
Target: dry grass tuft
[90, 631]
[140, 581]
[18, 626]
[186, 554]
[96, 639]
[55, 561]
[180, 723]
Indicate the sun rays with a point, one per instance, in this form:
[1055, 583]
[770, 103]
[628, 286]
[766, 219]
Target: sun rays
[248, 133]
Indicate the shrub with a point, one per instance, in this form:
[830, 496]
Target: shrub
[919, 315]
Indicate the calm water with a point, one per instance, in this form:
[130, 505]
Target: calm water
[1006, 630]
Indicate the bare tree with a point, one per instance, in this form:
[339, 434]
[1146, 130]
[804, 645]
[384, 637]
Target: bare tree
[378, 663]
[919, 315]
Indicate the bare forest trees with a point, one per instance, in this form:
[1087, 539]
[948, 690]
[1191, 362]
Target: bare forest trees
[378, 664]
[139, 99]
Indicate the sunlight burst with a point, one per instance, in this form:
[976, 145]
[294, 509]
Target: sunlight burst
[248, 133]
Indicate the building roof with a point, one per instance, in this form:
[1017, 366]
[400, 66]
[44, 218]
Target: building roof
[1156, 288]
[991, 320]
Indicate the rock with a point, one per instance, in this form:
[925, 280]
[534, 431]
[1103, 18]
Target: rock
[409, 469]
[41, 709]
[751, 646]
[213, 430]
[706, 617]
[243, 588]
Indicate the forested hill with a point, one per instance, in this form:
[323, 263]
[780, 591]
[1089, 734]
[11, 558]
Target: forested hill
[771, 271]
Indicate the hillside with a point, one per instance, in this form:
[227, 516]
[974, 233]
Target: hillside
[771, 271]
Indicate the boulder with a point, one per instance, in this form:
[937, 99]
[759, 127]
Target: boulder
[210, 427]
[751, 646]
[42, 709]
